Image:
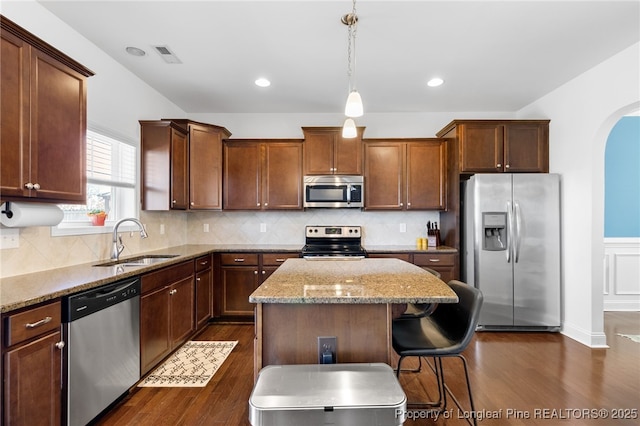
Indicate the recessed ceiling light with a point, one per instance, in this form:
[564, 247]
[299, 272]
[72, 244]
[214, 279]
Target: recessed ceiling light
[135, 51]
[263, 82]
[435, 82]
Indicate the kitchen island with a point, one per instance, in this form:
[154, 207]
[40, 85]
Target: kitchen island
[349, 299]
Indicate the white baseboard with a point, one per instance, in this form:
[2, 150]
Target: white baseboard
[593, 340]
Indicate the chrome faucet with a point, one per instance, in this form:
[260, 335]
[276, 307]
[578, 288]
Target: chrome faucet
[117, 240]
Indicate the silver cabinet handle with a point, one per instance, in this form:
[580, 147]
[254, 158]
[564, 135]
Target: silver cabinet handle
[264, 272]
[498, 165]
[172, 292]
[36, 186]
[238, 259]
[435, 260]
[280, 259]
[173, 201]
[258, 204]
[255, 272]
[506, 166]
[43, 321]
[204, 262]
[266, 204]
[198, 279]
[192, 203]
[60, 345]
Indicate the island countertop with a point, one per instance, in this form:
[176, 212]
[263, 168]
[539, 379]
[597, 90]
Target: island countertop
[362, 281]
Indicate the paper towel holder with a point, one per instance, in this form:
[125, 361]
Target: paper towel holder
[8, 211]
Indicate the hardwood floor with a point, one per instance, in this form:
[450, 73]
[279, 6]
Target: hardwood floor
[546, 377]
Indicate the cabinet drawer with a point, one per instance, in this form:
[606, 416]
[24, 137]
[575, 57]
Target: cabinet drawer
[164, 276]
[28, 324]
[402, 256]
[277, 259]
[433, 259]
[203, 263]
[239, 259]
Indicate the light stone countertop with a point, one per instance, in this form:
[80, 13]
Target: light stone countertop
[352, 281]
[20, 291]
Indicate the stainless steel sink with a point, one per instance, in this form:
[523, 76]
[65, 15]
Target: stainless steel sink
[143, 260]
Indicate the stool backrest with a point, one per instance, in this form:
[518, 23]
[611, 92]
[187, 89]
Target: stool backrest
[458, 321]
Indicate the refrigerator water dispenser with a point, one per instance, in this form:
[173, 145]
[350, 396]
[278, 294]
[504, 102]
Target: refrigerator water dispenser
[494, 229]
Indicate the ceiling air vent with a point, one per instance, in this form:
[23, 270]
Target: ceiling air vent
[167, 55]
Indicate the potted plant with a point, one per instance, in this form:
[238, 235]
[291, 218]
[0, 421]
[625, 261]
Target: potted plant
[97, 216]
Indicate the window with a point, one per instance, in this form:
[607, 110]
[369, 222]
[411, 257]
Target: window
[111, 186]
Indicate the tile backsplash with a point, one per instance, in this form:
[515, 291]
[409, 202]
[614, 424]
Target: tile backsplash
[38, 250]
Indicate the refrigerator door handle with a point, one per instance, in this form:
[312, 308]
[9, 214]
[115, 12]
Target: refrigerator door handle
[516, 208]
[509, 230]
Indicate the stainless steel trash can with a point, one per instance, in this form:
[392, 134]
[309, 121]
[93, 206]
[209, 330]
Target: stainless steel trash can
[327, 394]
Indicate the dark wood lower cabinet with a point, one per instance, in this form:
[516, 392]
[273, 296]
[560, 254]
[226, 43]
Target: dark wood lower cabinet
[32, 355]
[240, 275]
[32, 383]
[444, 263]
[204, 290]
[166, 312]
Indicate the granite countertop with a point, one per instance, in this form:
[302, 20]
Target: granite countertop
[352, 281]
[29, 289]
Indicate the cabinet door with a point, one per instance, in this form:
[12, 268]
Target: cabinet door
[179, 170]
[348, 155]
[242, 176]
[182, 299]
[204, 297]
[205, 168]
[383, 175]
[237, 285]
[155, 341]
[526, 147]
[282, 176]
[318, 152]
[426, 175]
[32, 383]
[14, 115]
[58, 130]
[481, 148]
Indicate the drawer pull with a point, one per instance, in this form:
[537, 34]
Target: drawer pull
[238, 259]
[43, 321]
[434, 260]
[60, 345]
[204, 262]
[280, 260]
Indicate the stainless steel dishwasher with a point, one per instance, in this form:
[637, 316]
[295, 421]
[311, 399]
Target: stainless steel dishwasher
[102, 352]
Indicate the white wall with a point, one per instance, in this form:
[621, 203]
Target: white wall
[583, 112]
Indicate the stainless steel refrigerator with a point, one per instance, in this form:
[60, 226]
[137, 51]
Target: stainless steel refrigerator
[511, 249]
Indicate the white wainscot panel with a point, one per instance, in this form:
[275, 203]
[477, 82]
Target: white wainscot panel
[622, 274]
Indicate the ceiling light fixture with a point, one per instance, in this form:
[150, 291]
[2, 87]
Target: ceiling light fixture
[353, 108]
[262, 82]
[135, 51]
[435, 82]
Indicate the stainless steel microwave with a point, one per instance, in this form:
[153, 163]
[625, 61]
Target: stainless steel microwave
[334, 191]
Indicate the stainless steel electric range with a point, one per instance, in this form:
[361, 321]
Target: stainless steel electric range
[333, 242]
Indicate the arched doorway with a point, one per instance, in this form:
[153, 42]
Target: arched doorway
[622, 215]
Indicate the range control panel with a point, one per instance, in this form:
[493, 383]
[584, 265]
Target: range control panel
[333, 231]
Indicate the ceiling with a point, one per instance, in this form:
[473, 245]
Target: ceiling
[493, 55]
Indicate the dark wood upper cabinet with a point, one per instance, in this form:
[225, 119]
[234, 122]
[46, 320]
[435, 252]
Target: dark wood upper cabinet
[405, 174]
[263, 174]
[43, 120]
[326, 152]
[181, 165]
[496, 146]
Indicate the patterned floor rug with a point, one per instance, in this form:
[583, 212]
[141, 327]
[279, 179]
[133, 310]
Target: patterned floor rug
[634, 337]
[193, 365]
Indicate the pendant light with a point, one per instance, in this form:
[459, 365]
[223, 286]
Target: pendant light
[353, 107]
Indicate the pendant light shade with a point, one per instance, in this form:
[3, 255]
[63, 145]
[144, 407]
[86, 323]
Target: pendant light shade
[354, 105]
[349, 130]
